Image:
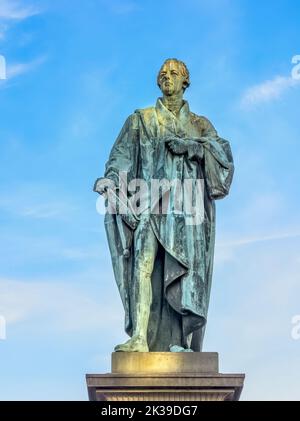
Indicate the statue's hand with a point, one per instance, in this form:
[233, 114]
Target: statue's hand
[102, 184]
[196, 151]
[178, 146]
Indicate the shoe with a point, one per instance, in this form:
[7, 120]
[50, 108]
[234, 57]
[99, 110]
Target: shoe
[135, 344]
[177, 348]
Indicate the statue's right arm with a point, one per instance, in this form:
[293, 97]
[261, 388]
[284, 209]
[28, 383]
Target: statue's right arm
[103, 184]
[123, 155]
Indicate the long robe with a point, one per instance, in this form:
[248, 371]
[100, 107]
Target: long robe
[181, 280]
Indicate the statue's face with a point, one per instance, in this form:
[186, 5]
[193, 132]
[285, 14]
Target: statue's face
[171, 79]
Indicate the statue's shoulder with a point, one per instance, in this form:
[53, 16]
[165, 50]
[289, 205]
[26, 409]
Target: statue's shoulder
[201, 121]
[148, 115]
[132, 120]
[145, 112]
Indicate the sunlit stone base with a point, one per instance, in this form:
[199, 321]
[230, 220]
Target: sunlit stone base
[164, 376]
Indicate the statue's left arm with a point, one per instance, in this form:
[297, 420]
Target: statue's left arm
[213, 154]
[217, 161]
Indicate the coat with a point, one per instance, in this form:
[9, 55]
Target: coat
[181, 280]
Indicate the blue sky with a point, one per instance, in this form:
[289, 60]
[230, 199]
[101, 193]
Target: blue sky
[75, 71]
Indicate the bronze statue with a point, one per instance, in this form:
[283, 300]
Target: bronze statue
[162, 261]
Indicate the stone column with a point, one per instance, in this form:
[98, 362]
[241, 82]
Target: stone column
[165, 376]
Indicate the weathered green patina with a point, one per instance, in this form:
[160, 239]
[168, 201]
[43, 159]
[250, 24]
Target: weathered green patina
[164, 277]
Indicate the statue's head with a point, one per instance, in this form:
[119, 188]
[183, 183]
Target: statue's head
[173, 77]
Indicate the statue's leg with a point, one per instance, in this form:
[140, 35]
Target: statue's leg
[145, 249]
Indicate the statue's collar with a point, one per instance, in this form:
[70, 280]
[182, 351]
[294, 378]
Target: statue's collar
[167, 114]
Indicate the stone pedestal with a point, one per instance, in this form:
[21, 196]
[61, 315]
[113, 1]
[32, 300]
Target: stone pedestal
[165, 376]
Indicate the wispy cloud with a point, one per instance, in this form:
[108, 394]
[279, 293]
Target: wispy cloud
[56, 305]
[18, 69]
[17, 10]
[268, 90]
[3, 29]
[226, 249]
[257, 239]
[260, 218]
[81, 254]
[12, 11]
[43, 211]
[50, 210]
[28, 201]
[253, 301]
[121, 7]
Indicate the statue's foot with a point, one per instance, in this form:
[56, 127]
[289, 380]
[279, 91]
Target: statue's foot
[177, 348]
[135, 344]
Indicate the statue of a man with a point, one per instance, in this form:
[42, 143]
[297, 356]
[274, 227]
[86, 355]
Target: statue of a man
[162, 262]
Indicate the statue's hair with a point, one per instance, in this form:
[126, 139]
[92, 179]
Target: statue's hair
[183, 69]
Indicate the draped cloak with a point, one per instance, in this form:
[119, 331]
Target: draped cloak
[181, 279]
